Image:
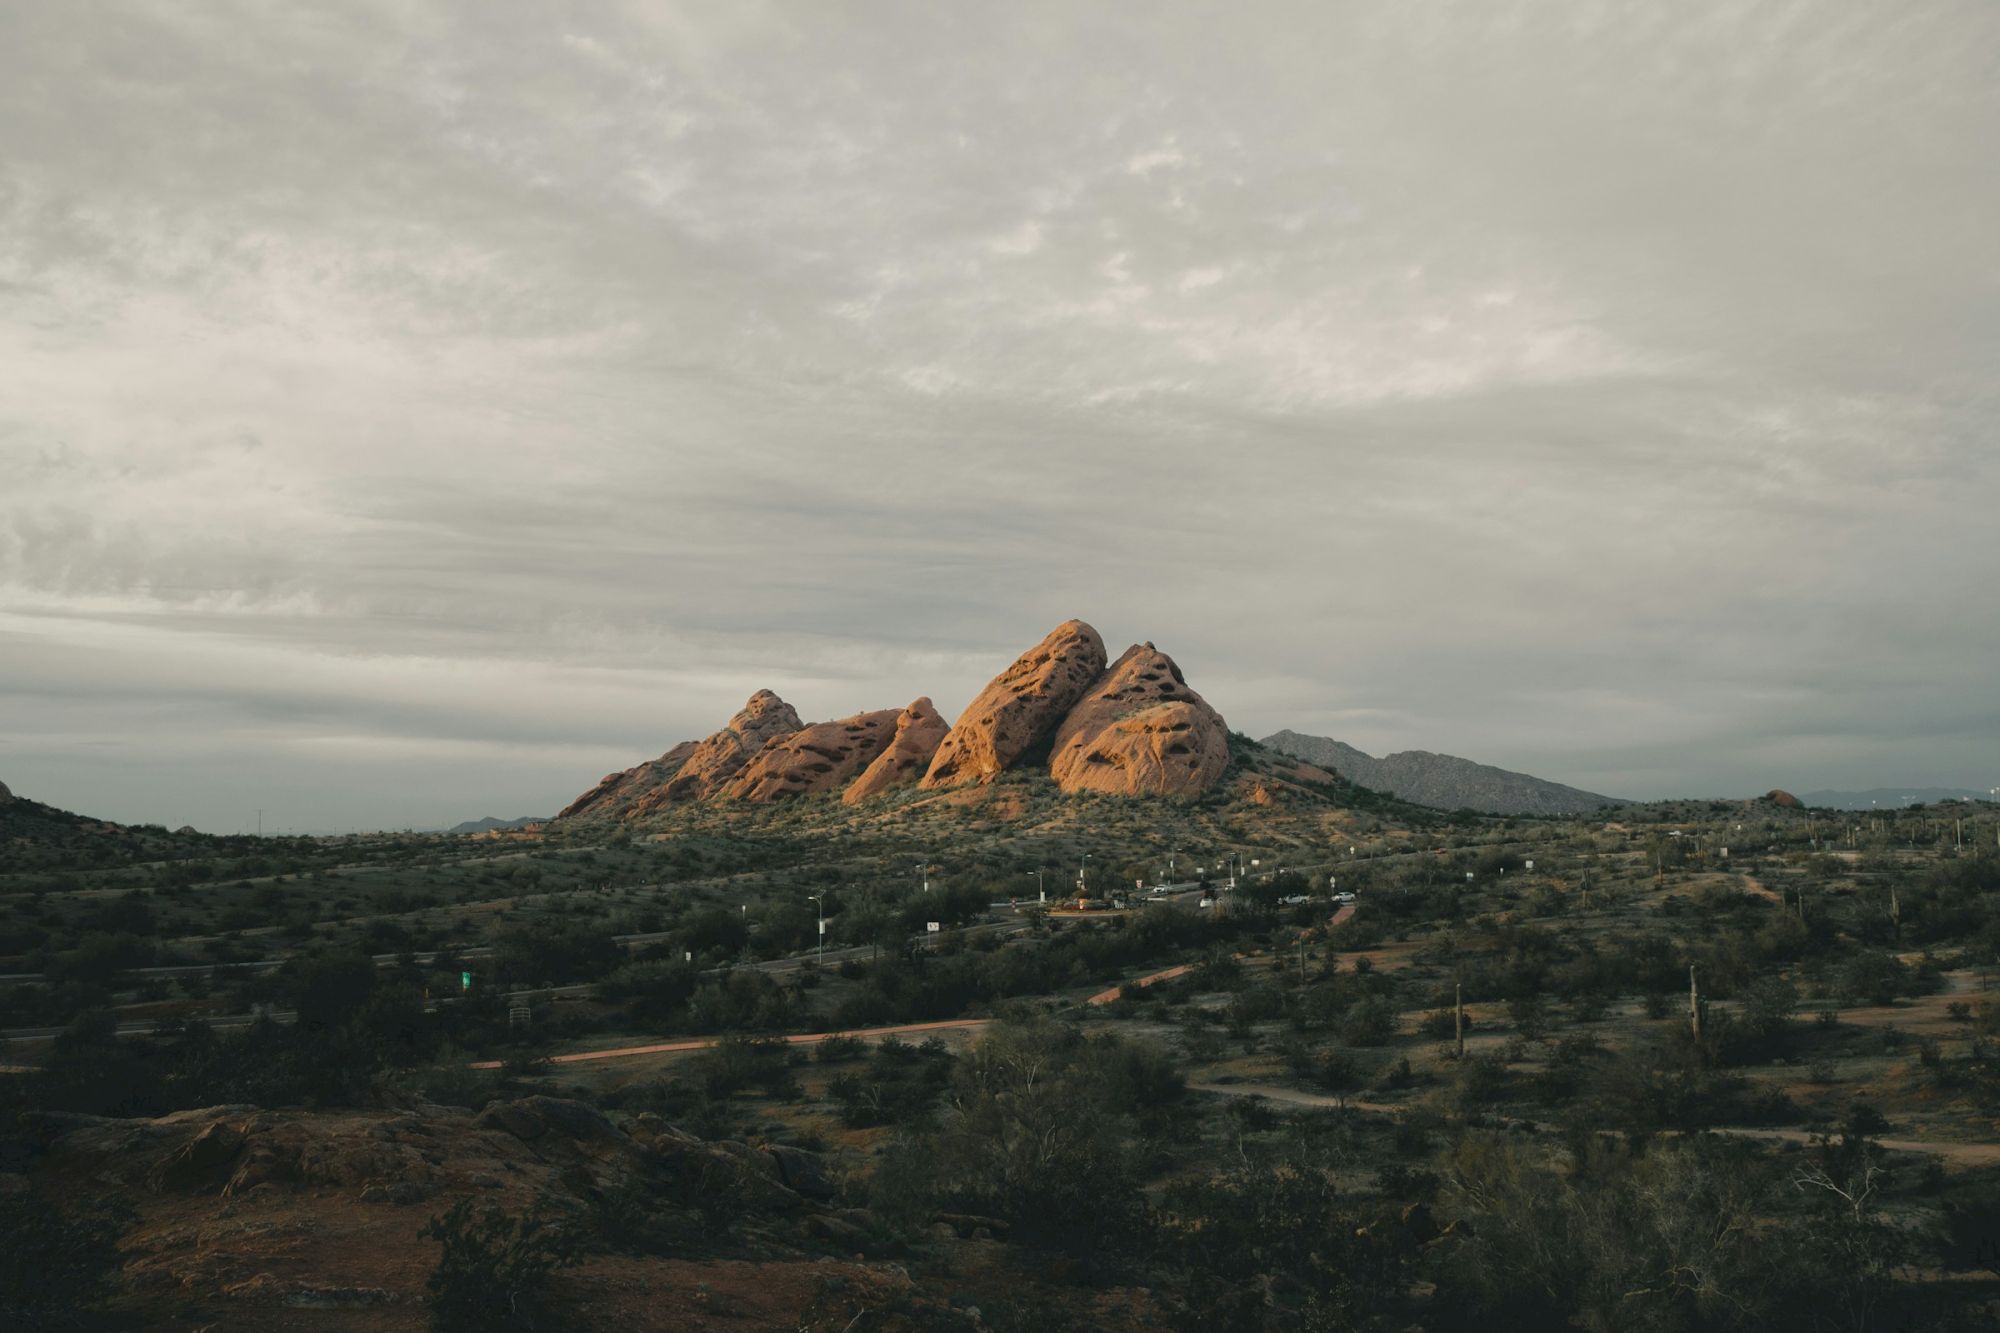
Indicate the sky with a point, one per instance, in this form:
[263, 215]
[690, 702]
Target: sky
[413, 412]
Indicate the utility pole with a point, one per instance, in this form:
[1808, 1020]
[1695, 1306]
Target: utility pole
[1694, 1005]
[819, 901]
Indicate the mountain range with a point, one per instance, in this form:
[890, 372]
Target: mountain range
[1889, 798]
[1443, 781]
[490, 824]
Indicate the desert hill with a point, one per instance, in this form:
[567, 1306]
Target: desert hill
[491, 824]
[1443, 781]
[1133, 727]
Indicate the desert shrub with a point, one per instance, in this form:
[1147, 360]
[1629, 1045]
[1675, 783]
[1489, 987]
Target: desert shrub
[495, 1268]
[54, 1270]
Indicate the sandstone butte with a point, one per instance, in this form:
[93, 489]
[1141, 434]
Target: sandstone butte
[919, 729]
[818, 758]
[616, 792]
[1140, 731]
[718, 759]
[1021, 707]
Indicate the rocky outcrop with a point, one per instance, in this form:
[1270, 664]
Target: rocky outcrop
[1778, 796]
[618, 792]
[818, 758]
[1140, 731]
[919, 730]
[717, 760]
[6, 797]
[1020, 708]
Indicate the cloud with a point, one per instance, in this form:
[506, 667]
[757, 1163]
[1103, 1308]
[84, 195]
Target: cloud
[1585, 390]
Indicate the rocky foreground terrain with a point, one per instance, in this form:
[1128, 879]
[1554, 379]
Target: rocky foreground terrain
[243, 1218]
[1133, 727]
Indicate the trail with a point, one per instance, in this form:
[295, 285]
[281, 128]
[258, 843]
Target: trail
[1957, 1155]
[709, 1043]
[1107, 996]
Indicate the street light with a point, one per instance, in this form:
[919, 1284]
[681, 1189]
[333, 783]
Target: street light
[819, 901]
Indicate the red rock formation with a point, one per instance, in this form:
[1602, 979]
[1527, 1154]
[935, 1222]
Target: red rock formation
[716, 761]
[1140, 731]
[919, 730]
[819, 758]
[1779, 796]
[1019, 708]
[618, 791]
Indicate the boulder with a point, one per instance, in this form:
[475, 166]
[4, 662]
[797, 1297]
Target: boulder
[711, 765]
[1140, 731]
[203, 1162]
[1020, 708]
[819, 758]
[1779, 796]
[919, 730]
[801, 1172]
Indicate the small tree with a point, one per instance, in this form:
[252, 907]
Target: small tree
[495, 1269]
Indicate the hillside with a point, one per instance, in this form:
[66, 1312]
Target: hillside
[1443, 781]
[1887, 798]
[490, 824]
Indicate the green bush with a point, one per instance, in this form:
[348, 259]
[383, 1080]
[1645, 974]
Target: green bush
[495, 1269]
[54, 1269]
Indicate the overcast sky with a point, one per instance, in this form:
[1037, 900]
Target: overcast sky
[413, 412]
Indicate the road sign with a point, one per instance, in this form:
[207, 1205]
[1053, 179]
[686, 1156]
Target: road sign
[933, 926]
[465, 981]
[822, 925]
[1531, 865]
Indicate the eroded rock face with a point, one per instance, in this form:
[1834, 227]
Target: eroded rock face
[1141, 731]
[1780, 797]
[714, 763]
[919, 730]
[617, 792]
[1020, 708]
[819, 758]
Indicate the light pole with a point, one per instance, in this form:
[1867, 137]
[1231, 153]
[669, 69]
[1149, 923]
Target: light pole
[1041, 894]
[924, 869]
[1082, 869]
[819, 901]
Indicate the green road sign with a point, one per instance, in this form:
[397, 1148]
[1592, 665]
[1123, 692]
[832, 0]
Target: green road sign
[465, 981]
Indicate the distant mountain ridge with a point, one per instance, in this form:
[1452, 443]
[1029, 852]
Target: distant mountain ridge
[1889, 797]
[489, 824]
[1442, 781]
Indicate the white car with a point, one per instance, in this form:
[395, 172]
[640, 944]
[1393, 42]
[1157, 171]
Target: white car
[1343, 897]
[1294, 899]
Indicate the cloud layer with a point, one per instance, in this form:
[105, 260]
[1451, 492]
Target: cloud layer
[410, 416]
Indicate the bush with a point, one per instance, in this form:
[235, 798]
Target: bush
[495, 1269]
[53, 1269]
